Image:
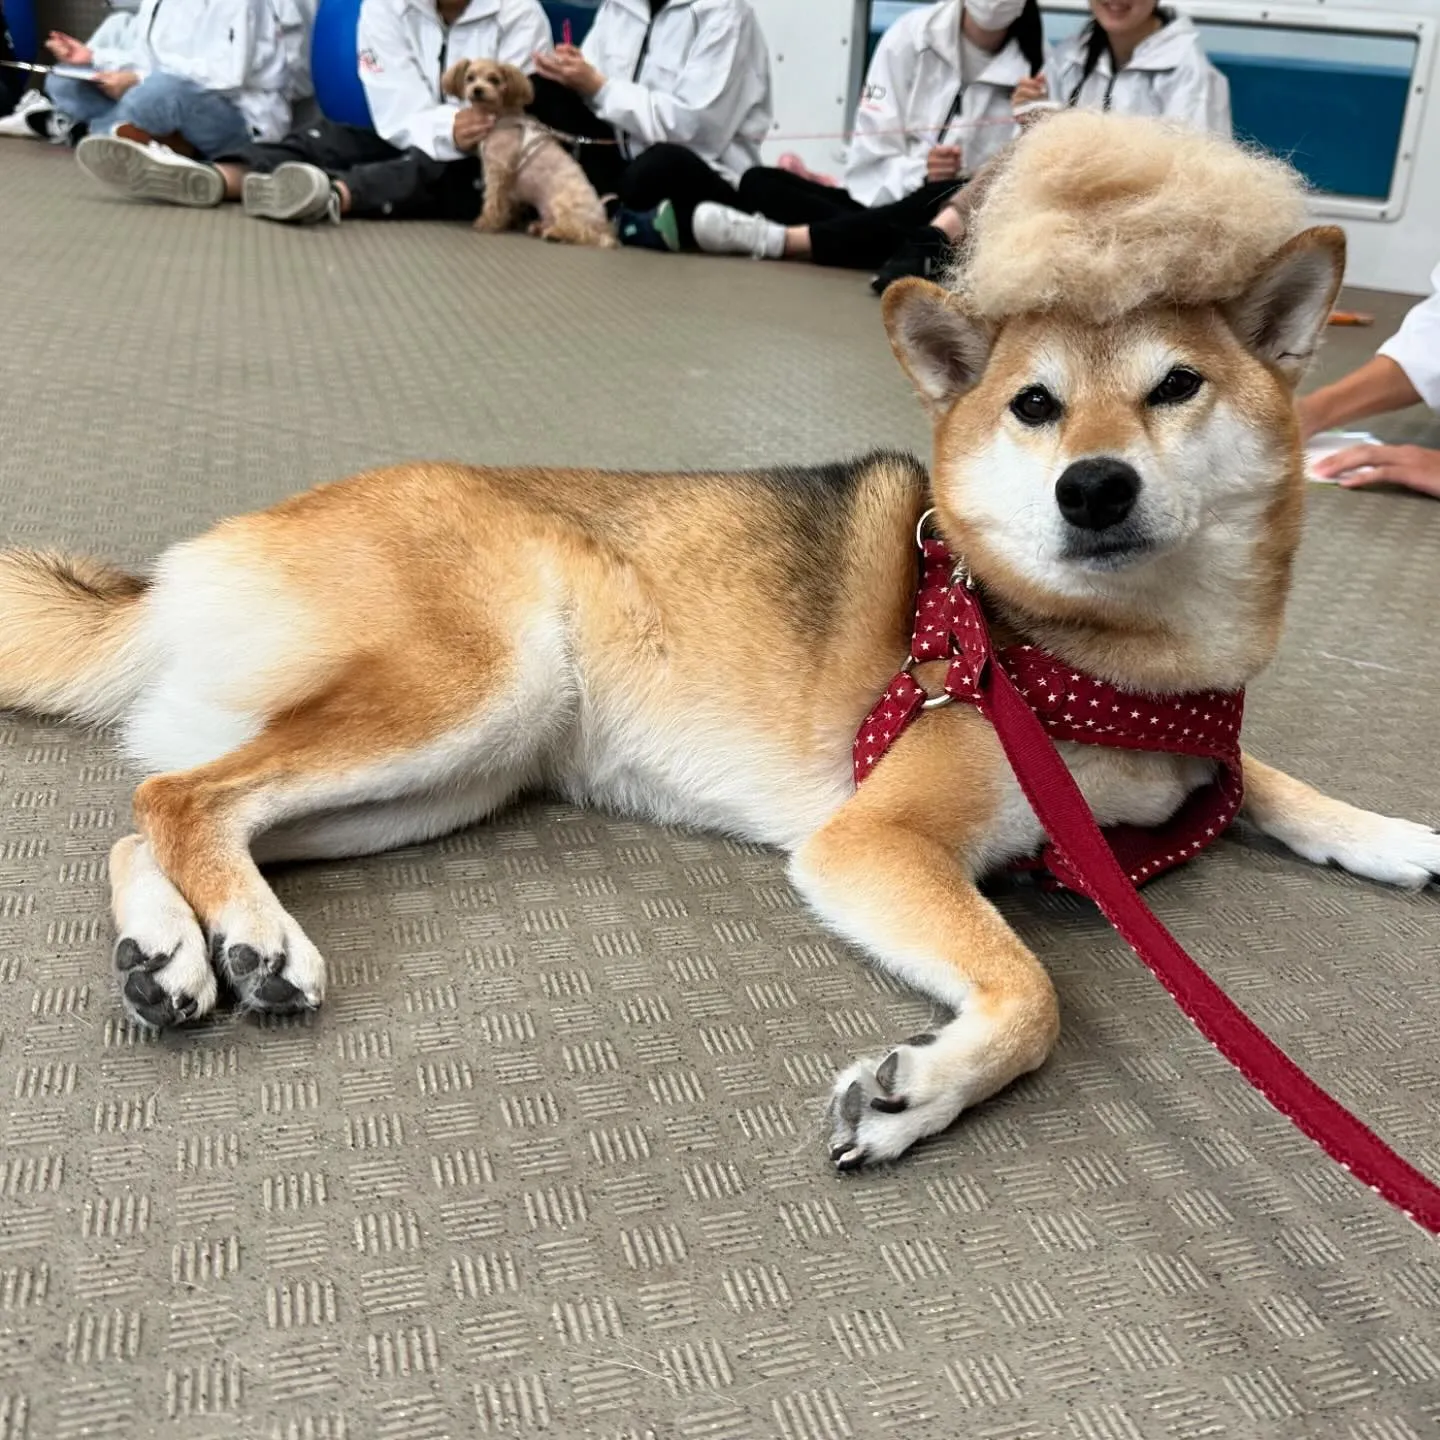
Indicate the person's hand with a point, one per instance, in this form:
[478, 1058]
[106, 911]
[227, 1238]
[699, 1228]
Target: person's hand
[1412, 466]
[68, 50]
[1028, 90]
[471, 127]
[116, 82]
[943, 162]
[567, 66]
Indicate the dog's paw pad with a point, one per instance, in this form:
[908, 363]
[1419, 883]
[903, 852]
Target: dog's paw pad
[283, 980]
[162, 988]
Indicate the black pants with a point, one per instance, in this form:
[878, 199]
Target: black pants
[383, 181]
[662, 172]
[843, 232]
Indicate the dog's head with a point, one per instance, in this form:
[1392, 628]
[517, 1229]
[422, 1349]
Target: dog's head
[1116, 448]
[489, 85]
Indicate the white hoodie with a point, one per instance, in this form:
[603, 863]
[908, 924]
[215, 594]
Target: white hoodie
[1168, 76]
[405, 48]
[697, 74]
[912, 83]
[232, 47]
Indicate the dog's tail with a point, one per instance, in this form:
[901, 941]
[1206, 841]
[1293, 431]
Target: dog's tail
[70, 636]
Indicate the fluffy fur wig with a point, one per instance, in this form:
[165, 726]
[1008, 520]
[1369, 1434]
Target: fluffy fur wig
[1101, 214]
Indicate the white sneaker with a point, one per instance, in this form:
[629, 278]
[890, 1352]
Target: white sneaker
[150, 172]
[723, 230]
[297, 193]
[31, 107]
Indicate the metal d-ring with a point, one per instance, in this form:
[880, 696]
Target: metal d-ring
[931, 702]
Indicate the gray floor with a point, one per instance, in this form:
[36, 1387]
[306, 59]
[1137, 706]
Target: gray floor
[549, 1160]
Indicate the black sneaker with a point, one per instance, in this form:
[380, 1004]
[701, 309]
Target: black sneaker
[649, 229]
[925, 254]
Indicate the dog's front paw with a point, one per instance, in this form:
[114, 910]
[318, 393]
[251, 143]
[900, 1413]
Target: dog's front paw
[268, 960]
[165, 974]
[1379, 847]
[880, 1108]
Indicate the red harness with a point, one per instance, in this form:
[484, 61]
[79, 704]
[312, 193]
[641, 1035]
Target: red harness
[950, 625]
[1025, 693]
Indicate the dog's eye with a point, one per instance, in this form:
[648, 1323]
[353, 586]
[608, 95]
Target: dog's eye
[1177, 387]
[1035, 405]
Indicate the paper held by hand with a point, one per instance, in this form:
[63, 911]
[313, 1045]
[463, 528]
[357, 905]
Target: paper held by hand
[1331, 442]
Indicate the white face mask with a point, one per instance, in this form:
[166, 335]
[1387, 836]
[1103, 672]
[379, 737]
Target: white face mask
[994, 14]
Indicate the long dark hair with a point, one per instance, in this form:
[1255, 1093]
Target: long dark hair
[1097, 43]
[1027, 30]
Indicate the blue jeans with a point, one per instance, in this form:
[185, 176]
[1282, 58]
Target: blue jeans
[160, 104]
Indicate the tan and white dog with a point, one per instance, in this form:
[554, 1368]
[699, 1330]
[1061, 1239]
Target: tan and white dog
[699, 649]
[526, 167]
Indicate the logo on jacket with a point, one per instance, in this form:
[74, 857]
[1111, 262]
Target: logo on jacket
[370, 63]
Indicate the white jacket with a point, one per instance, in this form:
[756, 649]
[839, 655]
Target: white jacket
[1168, 76]
[405, 48]
[232, 47]
[910, 87]
[702, 80]
[1415, 347]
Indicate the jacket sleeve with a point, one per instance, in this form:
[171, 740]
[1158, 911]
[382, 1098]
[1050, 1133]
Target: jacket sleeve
[233, 29]
[524, 29]
[1415, 347]
[403, 106]
[885, 164]
[710, 98]
[1199, 95]
[113, 44]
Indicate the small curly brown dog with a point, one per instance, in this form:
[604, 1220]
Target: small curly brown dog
[525, 165]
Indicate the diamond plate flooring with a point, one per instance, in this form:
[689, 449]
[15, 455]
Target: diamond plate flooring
[549, 1161]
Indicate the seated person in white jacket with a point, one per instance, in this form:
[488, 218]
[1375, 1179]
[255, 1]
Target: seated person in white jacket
[420, 160]
[1405, 371]
[39, 116]
[198, 82]
[678, 94]
[935, 107]
[1134, 58]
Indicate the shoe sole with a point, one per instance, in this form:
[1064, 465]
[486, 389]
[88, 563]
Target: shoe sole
[291, 194]
[667, 227]
[126, 166]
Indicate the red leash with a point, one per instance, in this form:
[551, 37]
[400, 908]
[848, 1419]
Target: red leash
[1061, 809]
[1088, 864]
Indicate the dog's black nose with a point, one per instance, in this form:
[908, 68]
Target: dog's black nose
[1097, 493]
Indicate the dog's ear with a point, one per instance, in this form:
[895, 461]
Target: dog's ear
[1281, 315]
[452, 82]
[519, 92]
[941, 348]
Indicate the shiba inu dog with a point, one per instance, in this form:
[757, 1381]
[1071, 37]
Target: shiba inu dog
[380, 661]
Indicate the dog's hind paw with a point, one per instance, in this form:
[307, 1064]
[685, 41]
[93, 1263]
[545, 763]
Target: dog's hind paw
[268, 961]
[166, 980]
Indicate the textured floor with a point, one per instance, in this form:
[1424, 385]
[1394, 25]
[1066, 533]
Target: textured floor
[549, 1159]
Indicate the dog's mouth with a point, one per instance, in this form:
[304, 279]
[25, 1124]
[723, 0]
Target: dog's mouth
[1106, 551]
